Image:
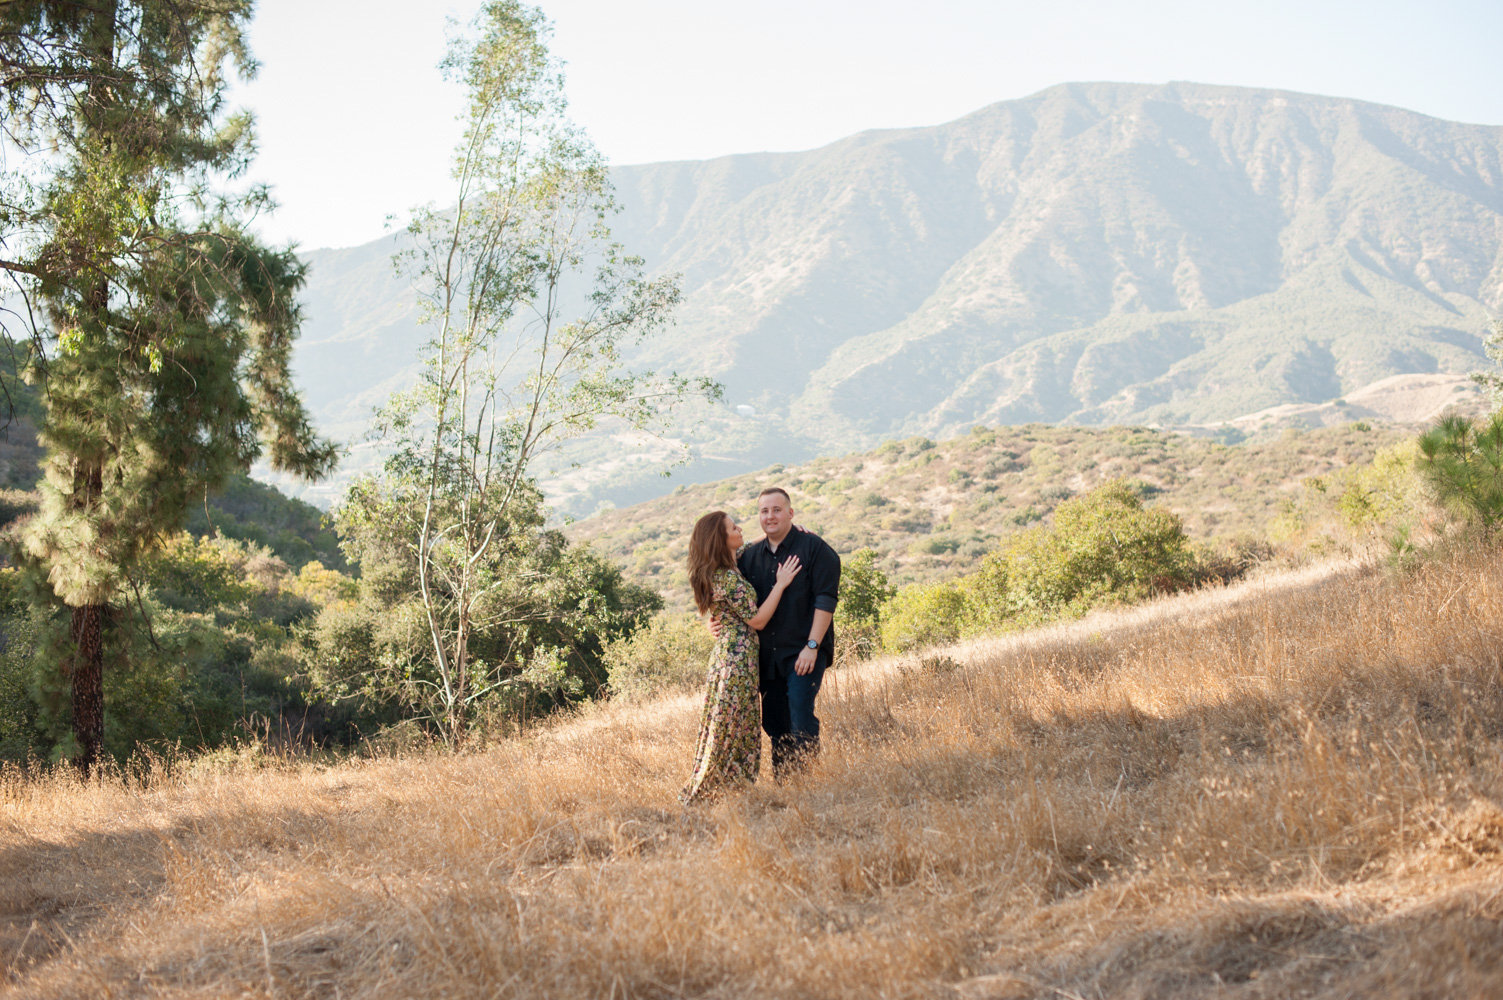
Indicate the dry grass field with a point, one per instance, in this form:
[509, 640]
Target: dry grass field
[1292, 788]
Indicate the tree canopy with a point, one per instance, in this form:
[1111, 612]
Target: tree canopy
[530, 303]
[160, 326]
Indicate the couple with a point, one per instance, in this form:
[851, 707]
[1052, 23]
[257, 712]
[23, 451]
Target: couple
[771, 605]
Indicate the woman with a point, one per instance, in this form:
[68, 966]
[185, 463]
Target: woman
[730, 727]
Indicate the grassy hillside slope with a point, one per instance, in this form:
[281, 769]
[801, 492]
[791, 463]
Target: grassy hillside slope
[1291, 788]
[931, 508]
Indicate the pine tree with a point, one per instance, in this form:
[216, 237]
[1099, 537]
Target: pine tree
[160, 328]
[1461, 461]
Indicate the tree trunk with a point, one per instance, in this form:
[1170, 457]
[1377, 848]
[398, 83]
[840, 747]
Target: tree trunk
[87, 632]
[459, 724]
[87, 626]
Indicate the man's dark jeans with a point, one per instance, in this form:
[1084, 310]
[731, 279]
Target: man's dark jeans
[788, 718]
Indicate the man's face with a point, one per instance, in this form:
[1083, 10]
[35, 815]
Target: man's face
[775, 514]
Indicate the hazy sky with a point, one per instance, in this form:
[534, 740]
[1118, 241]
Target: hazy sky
[356, 125]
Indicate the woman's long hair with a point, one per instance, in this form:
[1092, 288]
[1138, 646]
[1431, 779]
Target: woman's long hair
[709, 551]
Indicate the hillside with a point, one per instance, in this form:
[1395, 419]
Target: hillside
[1175, 255]
[1286, 789]
[931, 508]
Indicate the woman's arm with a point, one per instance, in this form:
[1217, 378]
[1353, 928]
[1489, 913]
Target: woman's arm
[787, 570]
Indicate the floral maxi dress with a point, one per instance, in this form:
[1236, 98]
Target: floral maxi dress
[730, 727]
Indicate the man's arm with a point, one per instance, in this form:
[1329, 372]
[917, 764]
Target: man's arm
[824, 585]
[807, 658]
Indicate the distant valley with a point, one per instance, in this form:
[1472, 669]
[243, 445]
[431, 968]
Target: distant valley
[1183, 256]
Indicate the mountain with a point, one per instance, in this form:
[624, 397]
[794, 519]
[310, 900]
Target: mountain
[1175, 255]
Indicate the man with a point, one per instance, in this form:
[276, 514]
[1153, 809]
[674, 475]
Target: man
[798, 642]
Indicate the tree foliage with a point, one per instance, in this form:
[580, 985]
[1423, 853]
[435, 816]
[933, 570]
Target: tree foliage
[530, 303]
[1101, 548]
[1104, 546]
[1462, 462]
[864, 589]
[669, 653]
[543, 616]
[923, 615]
[161, 328]
[202, 653]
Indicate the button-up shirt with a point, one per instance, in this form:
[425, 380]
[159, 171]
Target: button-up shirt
[816, 588]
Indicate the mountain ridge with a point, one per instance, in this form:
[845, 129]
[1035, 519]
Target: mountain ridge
[1170, 254]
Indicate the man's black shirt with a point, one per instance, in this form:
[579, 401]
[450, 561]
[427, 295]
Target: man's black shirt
[816, 588]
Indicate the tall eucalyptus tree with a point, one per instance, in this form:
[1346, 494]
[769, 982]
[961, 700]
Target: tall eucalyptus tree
[531, 304]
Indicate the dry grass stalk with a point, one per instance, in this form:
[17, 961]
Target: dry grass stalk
[1286, 789]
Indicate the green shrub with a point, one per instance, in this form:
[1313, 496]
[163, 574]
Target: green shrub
[907, 522]
[920, 616]
[864, 589]
[1001, 465]
[669, 653]
[1103, 547]
[23, 632]
[1027, 516]
[321, 586]
[934, 545]
[1386, 496]
[1110, 543]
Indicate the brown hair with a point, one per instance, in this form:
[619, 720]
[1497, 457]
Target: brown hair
[776, 489]
[709, 551]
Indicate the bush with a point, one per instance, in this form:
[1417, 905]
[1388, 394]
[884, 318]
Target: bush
[669, 653]
[199, 648]
[934, 545]
[1384, 494]
[321, 586]
[21, 635]
[920, 616]
[864, 589]
[1229, 559]
[1103, 547]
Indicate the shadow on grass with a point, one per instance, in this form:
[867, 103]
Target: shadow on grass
[54, 894]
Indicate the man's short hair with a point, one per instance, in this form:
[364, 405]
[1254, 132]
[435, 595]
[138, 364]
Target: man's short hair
[776, 489]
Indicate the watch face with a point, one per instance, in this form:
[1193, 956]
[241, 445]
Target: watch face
[812, 644]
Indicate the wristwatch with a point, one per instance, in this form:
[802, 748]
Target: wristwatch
[812, 644]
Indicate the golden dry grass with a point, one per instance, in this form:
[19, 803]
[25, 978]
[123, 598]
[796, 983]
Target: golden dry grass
[1288, 789]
